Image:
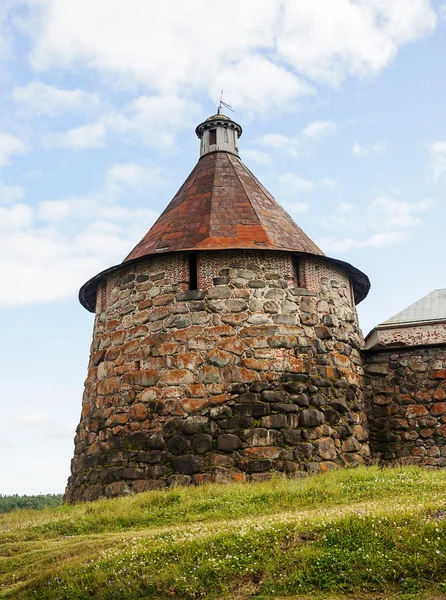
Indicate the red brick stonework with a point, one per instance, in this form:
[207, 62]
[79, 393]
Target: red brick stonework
[247, 375]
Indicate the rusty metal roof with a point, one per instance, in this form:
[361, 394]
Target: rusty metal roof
[221, 205]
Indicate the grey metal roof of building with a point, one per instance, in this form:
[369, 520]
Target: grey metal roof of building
[430, 308]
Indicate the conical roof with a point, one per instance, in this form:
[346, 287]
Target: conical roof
[222, 205]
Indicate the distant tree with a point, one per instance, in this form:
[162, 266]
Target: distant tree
[8, 503]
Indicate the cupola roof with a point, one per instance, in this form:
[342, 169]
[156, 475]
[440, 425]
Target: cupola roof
[222, 206]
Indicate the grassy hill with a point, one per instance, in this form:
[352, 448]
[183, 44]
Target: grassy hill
[362, 533]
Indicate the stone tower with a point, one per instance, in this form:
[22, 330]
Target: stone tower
[226, 345]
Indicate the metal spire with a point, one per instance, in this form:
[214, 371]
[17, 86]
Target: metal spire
[223, 104]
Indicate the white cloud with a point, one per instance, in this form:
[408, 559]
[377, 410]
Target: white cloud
[43, 422]
[438, 153]
[262, 158]
[103, 205]
[297, 208]
[384, 213]
[47, 263]
[396, 214]
[54, 248]
[132, 175]
[319, 129]
[5, 37]
[291, 184]
[295, 145]
[154, 43]
[10, 145]
[361, 151]
[258, 85]
[154, 120]
[277, 141]
[173, 47]
[34, 174]
[328, 183]
[31, 419]
[377, 240]
[10, 193]
[342, 37]
[149, 120]
[16, 217]
[384, 222]
[63, 431]
[79, 138]
[39, 98]
[93, 210]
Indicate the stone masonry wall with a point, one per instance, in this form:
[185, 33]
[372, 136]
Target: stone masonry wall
[231, 382]
[405, 393]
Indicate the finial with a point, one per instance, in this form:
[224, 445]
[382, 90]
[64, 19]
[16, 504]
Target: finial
[224, 104]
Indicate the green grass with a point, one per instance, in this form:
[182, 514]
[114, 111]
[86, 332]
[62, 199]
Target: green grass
[362, 533]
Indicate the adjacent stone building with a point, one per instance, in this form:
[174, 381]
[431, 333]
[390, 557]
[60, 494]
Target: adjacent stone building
[405, 383]
[226, 346]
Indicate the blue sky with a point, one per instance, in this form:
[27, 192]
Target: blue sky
[342, 104]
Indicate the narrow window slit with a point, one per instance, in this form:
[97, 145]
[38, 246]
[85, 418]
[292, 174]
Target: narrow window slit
[352, 294]
[193, 274]
[212, 136]
[297, 275]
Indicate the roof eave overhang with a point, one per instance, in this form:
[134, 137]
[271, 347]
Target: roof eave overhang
[215, 121]
[87, 293]
[409, 324]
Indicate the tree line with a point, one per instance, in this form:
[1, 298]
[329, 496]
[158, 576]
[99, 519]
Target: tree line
[8, 503]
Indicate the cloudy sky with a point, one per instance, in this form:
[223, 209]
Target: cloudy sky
[343, 108]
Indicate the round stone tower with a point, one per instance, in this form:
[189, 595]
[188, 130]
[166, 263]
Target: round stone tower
[226, 345]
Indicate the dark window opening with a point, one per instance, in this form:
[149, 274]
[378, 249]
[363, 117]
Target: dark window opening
[352, 294]
[297, 277]
[212, 136]
[193, 274]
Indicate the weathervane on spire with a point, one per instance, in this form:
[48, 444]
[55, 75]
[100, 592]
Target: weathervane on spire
[224, 104]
